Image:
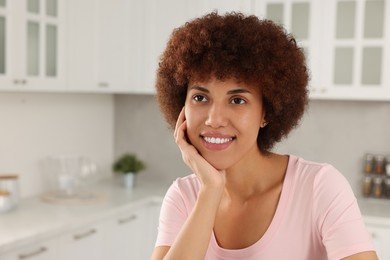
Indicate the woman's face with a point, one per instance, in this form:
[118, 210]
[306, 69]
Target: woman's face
[223, 120]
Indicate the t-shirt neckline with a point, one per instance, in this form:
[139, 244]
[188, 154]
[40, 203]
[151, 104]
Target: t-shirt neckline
[273, 227]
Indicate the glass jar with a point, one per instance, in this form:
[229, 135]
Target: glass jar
[10, 189]
[367, 186]
[368, 163]
[387, 188]
[377, 188]
[379, 164]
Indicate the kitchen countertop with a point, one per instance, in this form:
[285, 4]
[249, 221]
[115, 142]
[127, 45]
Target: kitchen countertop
[33, 219]
[375, 211]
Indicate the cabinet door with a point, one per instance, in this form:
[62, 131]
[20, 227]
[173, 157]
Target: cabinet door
[82, 53]
[112, 45]
[126, 236]
[84, 243]
[355, 56]
[154, 214]
[160, 18]
[302, 19]
[46, 250]
[380, 237]
[6, 48]
[39, 39]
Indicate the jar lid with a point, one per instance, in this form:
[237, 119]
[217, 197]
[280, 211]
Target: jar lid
[8, 176]
[379, 157]
[378, 180]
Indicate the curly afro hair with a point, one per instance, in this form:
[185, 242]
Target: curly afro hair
[234, 46]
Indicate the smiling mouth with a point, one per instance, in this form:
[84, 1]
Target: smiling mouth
[217, 140]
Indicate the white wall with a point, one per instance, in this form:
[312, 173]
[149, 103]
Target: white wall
[35, 125]
[337, 132]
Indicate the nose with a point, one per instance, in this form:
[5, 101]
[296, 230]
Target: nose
[217, 116]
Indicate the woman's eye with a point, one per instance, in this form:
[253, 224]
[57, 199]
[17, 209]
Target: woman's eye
[238, 101]
[200, 98]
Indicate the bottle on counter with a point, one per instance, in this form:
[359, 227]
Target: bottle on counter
[367, 185]
[368, 163]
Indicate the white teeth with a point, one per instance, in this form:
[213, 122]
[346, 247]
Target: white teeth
[217, 140]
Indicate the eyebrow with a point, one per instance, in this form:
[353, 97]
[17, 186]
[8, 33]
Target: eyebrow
[230, 92]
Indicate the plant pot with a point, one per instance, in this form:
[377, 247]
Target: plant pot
[129, 180]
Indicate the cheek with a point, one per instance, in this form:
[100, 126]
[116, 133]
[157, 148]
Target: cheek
[193, 120]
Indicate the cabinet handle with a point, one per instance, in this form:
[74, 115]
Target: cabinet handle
[34, 253]
[128, 219]
[103, 84]
[16, 81]
[23, 82]
[83, 235]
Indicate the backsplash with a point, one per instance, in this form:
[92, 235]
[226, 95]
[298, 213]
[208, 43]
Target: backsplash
[36, 125]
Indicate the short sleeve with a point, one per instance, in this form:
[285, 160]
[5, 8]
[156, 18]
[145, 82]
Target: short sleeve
[172, 216]
[338, 217]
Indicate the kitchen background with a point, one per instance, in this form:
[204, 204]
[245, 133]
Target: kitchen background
[103, 126]
[77, 78]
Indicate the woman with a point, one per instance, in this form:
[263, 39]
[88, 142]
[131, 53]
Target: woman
[232, 86]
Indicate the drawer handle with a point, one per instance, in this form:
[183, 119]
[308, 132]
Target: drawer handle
[84, 235]
[128, 219]
[37, 252]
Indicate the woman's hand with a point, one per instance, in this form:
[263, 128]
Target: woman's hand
[207, 174]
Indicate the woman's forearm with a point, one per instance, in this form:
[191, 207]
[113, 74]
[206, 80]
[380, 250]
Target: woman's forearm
[193, 240]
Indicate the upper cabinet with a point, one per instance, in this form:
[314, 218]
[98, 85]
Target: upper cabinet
[355, 48]
[300, 18]
[160, 19]
[32, 44]
[104, 41]
[344, 42]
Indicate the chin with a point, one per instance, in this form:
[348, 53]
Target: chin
[218, 163]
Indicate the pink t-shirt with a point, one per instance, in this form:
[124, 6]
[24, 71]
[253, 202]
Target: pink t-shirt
[317, 217]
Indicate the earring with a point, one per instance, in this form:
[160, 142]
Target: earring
[265, 123]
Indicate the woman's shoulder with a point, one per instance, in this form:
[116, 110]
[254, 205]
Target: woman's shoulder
[186, 187]
[302, 166]
[318, 175]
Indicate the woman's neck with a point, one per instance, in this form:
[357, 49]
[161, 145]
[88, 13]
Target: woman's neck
[254, 175]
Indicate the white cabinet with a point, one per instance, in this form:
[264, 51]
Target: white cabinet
[355, 47]
[83, 243]
[161, 17]
[46, 250]
[301, 19]
[82, 49]
[105, 45]
[154, 214]
[345, 43]
[132, 234]
[380, 236]
[126, 236]
[32, 45]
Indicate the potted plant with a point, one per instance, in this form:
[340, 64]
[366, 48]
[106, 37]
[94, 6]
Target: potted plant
[128, 165]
